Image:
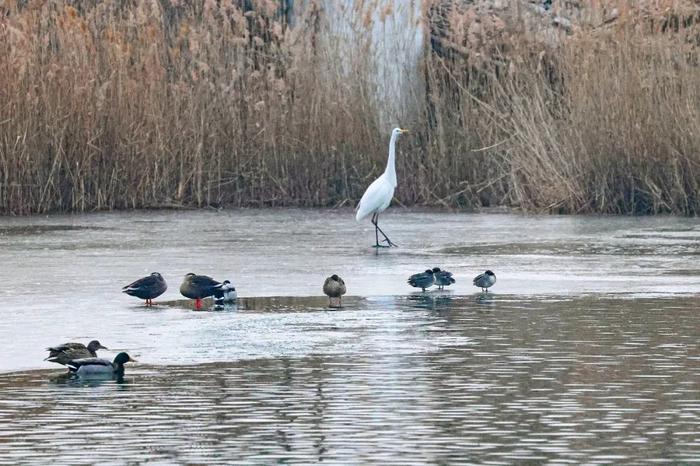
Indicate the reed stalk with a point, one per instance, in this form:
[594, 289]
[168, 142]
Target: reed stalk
[120, 105]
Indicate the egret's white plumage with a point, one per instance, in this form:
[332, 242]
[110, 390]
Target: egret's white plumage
[378, 195]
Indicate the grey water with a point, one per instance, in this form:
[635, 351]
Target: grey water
[585, 351]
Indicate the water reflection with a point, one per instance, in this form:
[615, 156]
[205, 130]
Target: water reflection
[432, 378]
[441, 300]
[484, 297]
[227, 307]
[94, 380]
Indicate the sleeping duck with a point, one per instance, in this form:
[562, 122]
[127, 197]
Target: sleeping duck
[99, 366]
[62, 354]
[422, 280]
[443, 278]
[226, 294]
[485, 280]
[198, 287]
[147, 288]
[334, 287]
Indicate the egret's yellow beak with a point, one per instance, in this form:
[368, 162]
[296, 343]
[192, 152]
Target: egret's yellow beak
[404, 130]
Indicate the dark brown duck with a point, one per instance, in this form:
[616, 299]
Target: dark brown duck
[198, 287]
[63, 354]
[334, 287]
[147, 288]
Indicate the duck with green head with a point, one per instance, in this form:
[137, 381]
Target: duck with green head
[100, 366]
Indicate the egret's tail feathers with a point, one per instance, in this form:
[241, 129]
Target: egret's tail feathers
[361, 213]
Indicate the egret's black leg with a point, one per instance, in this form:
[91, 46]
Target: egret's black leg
[386, 238]
[376, 230]
[375, 220]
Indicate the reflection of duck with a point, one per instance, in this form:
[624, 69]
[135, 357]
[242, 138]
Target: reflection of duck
[430, 301]
[147, 288]
[66, 352]
[334, 287]
[198, 287]
[100, 366]
[485, 280]
[422, 280]
[443, 278]
[485, 298]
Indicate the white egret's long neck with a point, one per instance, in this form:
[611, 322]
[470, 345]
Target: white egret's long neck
[390, 171]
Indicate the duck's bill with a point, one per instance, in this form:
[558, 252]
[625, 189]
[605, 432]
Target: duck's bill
[102, 347]
[132, 359]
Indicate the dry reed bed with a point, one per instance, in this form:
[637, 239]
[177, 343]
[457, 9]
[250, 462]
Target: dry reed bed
[110, 105]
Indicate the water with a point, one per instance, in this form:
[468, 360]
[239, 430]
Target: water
[585, 352]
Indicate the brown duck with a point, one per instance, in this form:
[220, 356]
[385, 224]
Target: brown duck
[198, 287]
[334, 287]
[63, 354]
[147, 288]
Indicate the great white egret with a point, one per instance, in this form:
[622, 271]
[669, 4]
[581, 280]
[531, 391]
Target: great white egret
[379, 194]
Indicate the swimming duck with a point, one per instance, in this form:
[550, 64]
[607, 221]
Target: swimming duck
[334, 287]
[99, 366]
[62, 354]
[443, 278]
[422, 280]
[485, 280]
[198, 287]
[147, 288]
[226, 294]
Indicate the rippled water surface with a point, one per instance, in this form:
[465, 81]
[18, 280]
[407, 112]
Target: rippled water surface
[586, 351]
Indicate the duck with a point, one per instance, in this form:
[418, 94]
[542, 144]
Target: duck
[226, 294]
[198, 287]
[99, 366]
[422, 280]
[443, 278]
[62, 354]
[334, 287]
[147, 288]
[485, 280]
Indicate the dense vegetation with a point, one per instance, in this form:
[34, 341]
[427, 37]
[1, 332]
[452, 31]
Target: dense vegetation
[129, 104]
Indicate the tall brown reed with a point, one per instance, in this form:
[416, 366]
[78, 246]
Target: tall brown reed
[128, 105]
[112, 105]
[605, 121]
